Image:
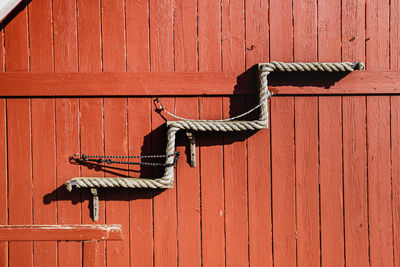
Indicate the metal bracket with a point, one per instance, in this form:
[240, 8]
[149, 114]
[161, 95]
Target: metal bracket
[192, 142]
[95, 211]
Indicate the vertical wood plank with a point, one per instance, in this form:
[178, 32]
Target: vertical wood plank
[379, 181]
[258, 145]
[283, 181]
[67, 127]
[377, 34]
[43, 130]
[41, 36]
[331, 177]
[307, 182]
[354, 142]
[330, 141]
[137, 35]
[281, 30]
[355, 180]
[185, 35]
[306, 140]
[282, 141]
[3, 181]
[305, 30]
[395, 153]
[257, 35]
[212, 188]
[353, 30]
[91, 253]
[20, 176]
[117, 206]
[92, 143]
[65, 35]
[19, 143]
[141, 208]
[113, 35]
[209, 35]
[161, 35]
[378, 139]
[162, 59]
[16, 40]
[68, 206]
[164, 201]
[233, 35]
[89, 35]
[329, 31]
[235, 186]
[44, 175]
[188, 192]
[394, 31]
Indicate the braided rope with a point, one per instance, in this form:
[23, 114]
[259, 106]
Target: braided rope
[167, 181]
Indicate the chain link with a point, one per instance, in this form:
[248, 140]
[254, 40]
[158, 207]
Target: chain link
[108, 159]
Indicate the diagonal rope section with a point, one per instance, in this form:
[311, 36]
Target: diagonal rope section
[227, 125]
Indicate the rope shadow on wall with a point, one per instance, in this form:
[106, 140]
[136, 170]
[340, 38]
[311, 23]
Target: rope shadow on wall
[228, 125]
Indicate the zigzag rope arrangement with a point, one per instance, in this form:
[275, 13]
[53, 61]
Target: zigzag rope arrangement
[167, 181]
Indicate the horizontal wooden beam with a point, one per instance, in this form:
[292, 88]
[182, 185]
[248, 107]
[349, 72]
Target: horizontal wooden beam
[60, 232]
[195, 83]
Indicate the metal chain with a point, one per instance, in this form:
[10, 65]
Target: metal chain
[107, 159]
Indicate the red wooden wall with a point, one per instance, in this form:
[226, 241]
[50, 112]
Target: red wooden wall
[321, 187]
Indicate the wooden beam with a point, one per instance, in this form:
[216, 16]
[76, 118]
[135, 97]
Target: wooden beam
[60, 232]
[195, 83]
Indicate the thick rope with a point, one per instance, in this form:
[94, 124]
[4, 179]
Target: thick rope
[167, 180]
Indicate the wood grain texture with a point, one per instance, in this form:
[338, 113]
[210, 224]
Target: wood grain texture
[117, 205]
[329, 31]
[161, 35]
[258, 145]
[185, 35]
[331, 181]
[16, 40]
[44, 174]
[257, 35]
[212, 188]
[164, 201]
[394, 32]
[353, 30]
[67, 144]
[141, 207]
[61, 232]
[379, 181]
[209, 35]
[235, 187]
[307, 181]
[188, 192]
[355, 181]
[91, 254]
[281, 30]
[137, 35]
[92, 143]
[3, 180]
[395, 155]
[19, 176]
[233, 35]
[113, 35]
[89, 35]
[283, 181]
[41, 36]
[306, 140]
[377, 34]
[65, 35]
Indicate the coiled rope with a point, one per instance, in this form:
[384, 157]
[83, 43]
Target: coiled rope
[226, 125]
